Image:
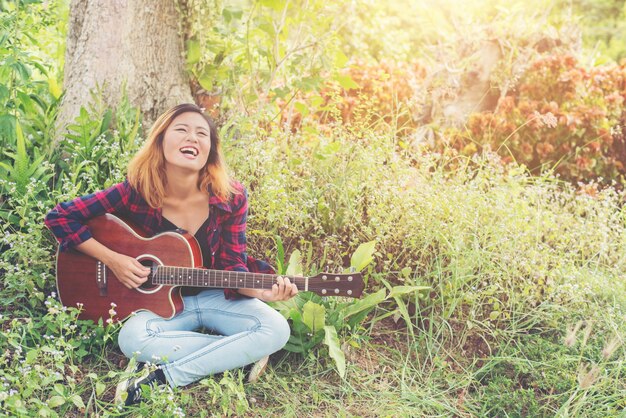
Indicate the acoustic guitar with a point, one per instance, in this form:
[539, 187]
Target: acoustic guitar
[174, 260]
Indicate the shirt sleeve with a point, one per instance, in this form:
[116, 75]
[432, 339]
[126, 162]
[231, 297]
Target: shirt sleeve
[233, 255]
[67, 220]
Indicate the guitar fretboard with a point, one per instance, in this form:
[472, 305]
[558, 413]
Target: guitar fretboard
[185, 276]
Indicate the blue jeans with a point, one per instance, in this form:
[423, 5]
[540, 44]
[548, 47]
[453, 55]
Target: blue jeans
[247, 329]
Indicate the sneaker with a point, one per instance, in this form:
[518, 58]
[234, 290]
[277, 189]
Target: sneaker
[257, 369]
[132, 386]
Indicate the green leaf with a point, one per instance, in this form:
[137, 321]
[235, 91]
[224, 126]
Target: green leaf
[31, 355]
[106, 122]
[340, 59]
[334, 349]
[56, 401]
[100, 387]
[301, 108]
[294, 268]
[206, 81]
[403, 290]
[346, 82]
[280, 255]
[76, 400]
[363, 255]
[368, 302]
[277, 5]
[314, 316]
[53, 87]
[193, 51]
[20, 166]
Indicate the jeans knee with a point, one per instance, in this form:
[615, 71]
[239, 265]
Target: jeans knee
[279, 331]
[132, 336]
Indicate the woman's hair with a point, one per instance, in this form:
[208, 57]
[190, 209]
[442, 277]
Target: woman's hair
[146, 171]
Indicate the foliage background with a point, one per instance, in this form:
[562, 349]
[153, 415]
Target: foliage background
[470, 160]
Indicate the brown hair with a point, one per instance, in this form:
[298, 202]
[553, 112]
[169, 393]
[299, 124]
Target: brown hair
[146, 171]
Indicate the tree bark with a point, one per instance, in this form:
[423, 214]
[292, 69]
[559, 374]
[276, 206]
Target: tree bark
[114, 45]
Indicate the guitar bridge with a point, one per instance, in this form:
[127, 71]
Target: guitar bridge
[101, 278]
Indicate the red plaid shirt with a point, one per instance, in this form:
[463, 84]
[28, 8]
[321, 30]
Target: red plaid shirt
[226, 228]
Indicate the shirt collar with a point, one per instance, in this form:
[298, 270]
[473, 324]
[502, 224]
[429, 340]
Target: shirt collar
[219, 203]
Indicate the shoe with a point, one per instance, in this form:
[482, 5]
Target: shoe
[132, 386]
[257, 369]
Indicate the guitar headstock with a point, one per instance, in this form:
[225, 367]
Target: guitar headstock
[331, 284]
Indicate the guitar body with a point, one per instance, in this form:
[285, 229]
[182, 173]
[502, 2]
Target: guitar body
[83, 280]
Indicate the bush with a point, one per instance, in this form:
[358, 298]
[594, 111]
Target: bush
[363, 96]
[562, 118]
[489, 239]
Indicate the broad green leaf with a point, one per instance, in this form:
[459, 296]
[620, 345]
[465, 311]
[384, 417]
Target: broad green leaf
[21, 163]
[106, 122]
[362, 256]
[206, 81]
[346, 82]
[26, 102]
[406, 272]
[77, 400]
[301, 108]
[277, 5]
[31, 355]
[100, 387]
[56, 401]
[340, 59]
[193, 51]
[53, 87]
[135, 130]
[280, 255]
[403, 290]
[314, 316]
[294, 268]
[367, 302]
[334, 349]
[316, 101]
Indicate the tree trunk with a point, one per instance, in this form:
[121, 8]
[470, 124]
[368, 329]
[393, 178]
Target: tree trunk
[117, 44]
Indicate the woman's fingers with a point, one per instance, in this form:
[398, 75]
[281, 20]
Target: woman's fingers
[284, 289]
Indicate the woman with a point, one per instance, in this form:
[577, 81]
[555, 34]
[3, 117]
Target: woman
[178, 180]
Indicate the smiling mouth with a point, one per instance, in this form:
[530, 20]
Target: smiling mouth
[190, 151]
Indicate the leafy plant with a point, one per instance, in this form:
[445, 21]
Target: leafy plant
[29, 89]
[563, 118]
[93, 153]
[23, 170]
[258, 51]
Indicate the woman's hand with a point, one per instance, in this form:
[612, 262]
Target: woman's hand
[283, 290]
[130, 272]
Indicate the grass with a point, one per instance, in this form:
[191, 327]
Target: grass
[512, 263]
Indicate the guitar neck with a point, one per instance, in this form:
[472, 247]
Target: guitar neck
[195, 277]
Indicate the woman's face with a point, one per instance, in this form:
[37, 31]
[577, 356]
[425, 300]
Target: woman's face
[187, 142]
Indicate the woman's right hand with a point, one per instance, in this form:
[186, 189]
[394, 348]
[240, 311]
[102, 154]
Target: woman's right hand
[130, 272]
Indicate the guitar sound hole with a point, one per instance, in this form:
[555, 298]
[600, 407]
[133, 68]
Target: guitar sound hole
[148, 285]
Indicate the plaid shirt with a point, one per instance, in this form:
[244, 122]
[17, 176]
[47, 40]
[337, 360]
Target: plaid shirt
[226, 228]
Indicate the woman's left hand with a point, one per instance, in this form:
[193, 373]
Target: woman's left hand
[283, 290]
